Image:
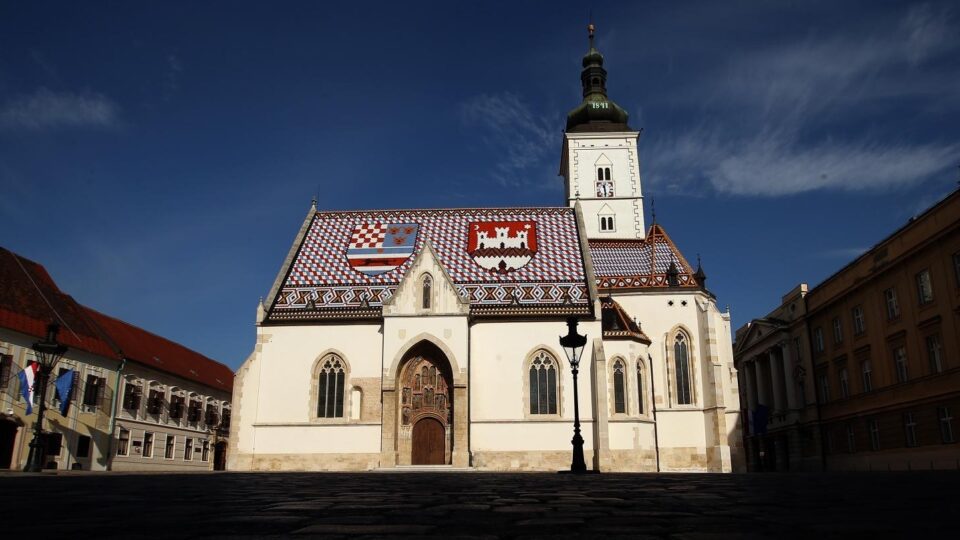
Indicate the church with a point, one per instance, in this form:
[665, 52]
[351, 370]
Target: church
[412, 338]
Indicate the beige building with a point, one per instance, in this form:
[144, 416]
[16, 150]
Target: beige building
[430, 337]
[878, 346]
[128, 381]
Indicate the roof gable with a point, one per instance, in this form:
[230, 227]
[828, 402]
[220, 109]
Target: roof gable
[633, 264]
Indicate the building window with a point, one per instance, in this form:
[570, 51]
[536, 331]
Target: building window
[155, 402]
[210, 415]
[640, 399]
[859, 325]
[330, 388]
[844, 383]
[851, 439]
[543, 383]
[824, 384]
[177, 406]
[188, 449]
[900, 363]
[866, 372]
[910, 429]
[682, 367]
[131, 397]
[924, 287]
[193, 411]
[93, 392]
[604, 184]
[6, 368]
[426, 289]
[946, 425]
[83, 446]
[147, 444]
[837, 330]
[818, 339]
[123, 442]
[619, 388]
[205, 453]
[606, 224]
[874, 428]
[893, 307]
[171, 444]
[934, 353]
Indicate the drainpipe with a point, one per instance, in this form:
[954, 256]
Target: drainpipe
[653, 403]
[113, 413]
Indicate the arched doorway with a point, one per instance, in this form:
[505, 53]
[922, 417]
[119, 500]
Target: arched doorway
[426, 411]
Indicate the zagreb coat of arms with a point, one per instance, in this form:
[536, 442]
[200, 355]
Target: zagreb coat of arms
[377, 248]
[502, 246]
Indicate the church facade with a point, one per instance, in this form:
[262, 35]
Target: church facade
[430, 337]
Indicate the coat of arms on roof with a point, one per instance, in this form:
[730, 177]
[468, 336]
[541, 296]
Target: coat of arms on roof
[502, 246]
[377, 248]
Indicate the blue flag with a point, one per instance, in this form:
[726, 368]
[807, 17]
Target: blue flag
[65, 390]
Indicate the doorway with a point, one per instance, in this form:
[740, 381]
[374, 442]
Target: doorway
[8, 436]
[429, 447]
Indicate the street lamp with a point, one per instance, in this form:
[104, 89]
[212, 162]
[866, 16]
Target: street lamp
[49, 353]
[573, 344]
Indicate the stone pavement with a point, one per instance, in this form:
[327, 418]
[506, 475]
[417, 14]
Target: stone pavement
[480, 505]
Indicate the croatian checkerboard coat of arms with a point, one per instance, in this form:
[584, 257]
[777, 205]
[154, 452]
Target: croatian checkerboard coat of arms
[502, 246]
[377, 248]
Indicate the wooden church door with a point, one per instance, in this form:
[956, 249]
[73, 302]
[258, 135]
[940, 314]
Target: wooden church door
[425, 405]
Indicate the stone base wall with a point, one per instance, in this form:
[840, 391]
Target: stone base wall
[527, 460]
[163, 465]
[682, 459]
[305, 462]
[629, 461]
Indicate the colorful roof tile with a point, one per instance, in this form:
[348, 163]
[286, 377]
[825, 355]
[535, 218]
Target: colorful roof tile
[617, 325]
[501, 260]
[635, 264]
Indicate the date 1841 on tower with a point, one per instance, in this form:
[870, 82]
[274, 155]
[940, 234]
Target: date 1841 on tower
[599, 105]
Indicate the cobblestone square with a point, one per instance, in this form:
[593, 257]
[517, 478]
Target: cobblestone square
[482, 505]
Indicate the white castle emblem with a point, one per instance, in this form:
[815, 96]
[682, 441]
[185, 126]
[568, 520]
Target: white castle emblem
[502, 246]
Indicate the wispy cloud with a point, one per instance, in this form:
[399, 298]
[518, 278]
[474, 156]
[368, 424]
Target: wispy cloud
[46, 110]
[779, 125]
[171, 77]
[525, 139]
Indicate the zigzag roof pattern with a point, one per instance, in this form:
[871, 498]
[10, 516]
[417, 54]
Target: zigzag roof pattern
[328, 276]
[638, 264]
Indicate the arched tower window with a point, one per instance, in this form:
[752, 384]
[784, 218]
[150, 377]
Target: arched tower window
[330, 387]
[682, 369]
[640, 399]
[427, 290]
[543, 383]
[619, 388]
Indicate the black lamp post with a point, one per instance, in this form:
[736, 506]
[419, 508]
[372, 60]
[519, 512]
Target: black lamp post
[573, 344]
[49, 353]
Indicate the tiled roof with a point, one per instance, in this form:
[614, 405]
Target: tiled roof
[542, 270]
[617, 325]
[631, 264]
[30, 300]
[153, 351]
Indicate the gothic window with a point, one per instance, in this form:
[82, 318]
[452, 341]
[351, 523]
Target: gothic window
[427, 289]
[330, 387]
[619, 388]
[682, 369]
[543, 384]
[640, 386]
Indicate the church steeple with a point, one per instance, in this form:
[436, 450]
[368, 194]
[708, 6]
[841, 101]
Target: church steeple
[597, 112]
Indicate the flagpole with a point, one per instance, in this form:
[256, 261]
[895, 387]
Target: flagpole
[48, 354]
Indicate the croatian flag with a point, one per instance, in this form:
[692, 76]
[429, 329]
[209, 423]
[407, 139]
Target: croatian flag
[27, 376]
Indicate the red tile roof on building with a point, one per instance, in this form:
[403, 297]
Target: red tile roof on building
[639, 264]
[30, 300]
[544, 266]
[151, 350]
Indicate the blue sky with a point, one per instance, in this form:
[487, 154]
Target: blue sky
[159, 157]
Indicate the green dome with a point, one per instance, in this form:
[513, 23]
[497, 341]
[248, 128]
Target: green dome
[597, 112]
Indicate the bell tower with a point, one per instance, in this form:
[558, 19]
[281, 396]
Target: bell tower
[600, 163]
